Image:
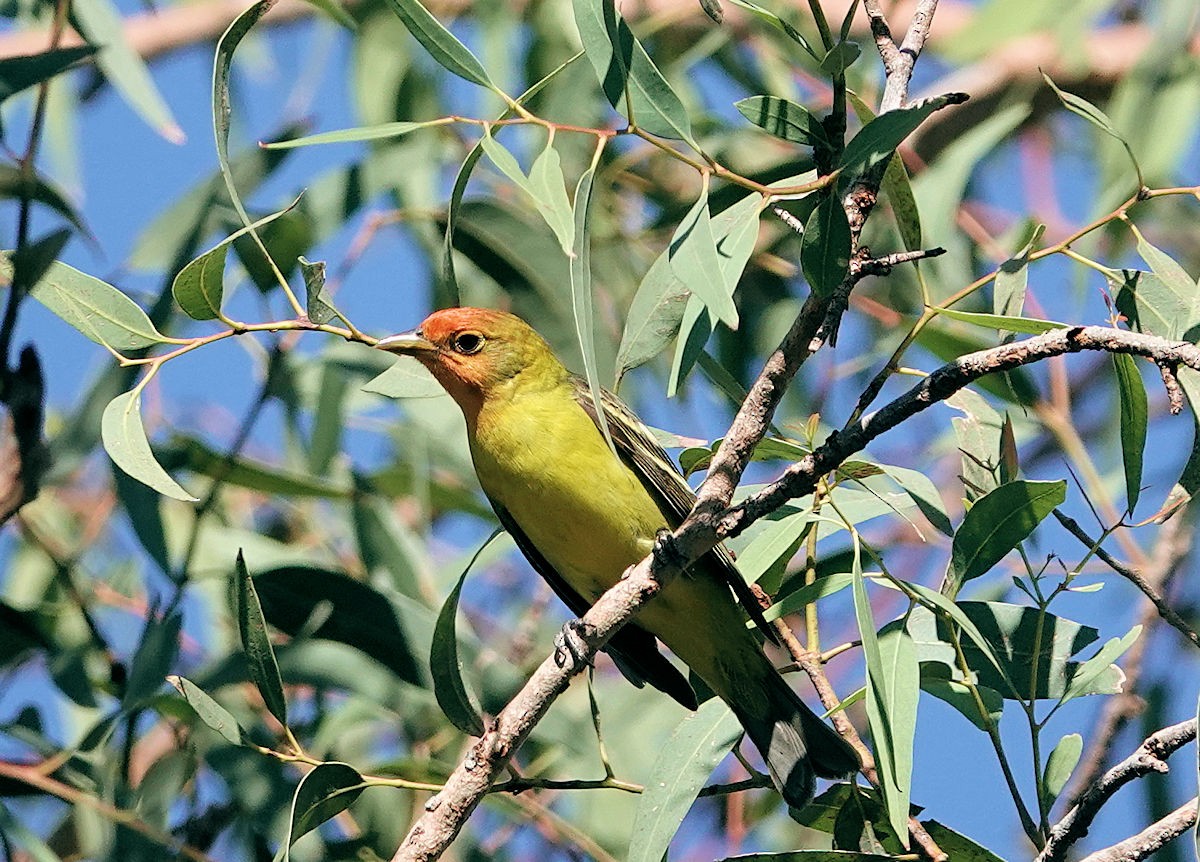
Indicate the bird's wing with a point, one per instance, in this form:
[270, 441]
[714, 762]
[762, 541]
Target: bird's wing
[662, 479]
[633, 650]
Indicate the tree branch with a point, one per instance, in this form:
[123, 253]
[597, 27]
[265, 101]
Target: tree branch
[1150, 757]
[447, 812]
[1151, 839]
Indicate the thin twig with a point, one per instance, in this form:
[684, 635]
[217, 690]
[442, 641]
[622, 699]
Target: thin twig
[1134, 576]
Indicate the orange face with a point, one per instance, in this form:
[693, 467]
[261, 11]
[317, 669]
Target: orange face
[470, 350]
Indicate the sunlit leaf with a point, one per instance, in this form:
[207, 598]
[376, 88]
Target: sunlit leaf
[97, 309]
[441, 44]
[209, 711]
[696, 263]
[825, 247]
[878, 139]
[325, 791]
[125, 441]
[1059, 766]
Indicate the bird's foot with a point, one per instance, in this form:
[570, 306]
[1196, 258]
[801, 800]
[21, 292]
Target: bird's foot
[665, 551]
[569, 646]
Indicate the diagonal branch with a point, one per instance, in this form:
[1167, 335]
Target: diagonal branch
[1150, 757]
[447, 812]
[1152, 838]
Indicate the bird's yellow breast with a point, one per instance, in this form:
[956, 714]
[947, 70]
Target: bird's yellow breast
[540, 456]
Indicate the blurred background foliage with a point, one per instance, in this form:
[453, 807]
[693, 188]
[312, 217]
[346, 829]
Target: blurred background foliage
[357, 513]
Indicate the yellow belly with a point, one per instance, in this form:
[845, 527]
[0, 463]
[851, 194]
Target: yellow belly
[587, 513]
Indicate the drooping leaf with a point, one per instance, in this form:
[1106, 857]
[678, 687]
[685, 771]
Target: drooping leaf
[825, 247]
[878, 139]
[626, 70]
[441, 44]
[1028, 325]
[100, 22]
[407, 378]
[936, 680]
[209, 711]
[125, 441]
[1134, 423]
[548, 188]
[997, 523]
[695, 262]
[327, 790]
[1082, 107]
[446, 667]
[1008, 290]
[256, 642]
[689, 756]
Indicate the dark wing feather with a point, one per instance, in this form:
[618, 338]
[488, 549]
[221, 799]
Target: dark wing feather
[659, 475]
[633, 650]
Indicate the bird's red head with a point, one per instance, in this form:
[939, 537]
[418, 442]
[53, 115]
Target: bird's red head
[474, 351]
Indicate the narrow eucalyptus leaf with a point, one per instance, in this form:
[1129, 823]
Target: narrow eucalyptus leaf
[125, 441]
[1134, 424]
[260, 655]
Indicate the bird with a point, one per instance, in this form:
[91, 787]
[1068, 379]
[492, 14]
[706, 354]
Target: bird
[582, 511]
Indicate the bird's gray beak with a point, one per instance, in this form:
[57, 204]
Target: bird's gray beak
[406, 344]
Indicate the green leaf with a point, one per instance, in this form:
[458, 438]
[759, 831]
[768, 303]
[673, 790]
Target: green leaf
[1084, 678]
[897, 186]
[775, 542]
[888, 703]
[209, 711]
[811, 855]
[446, 667]
[1020, 652]
[16, 185]
[922, 490]
[840, 58]
[14, 830]
[1028, 325]
[694, 331]
[97, 309]
[1134, 419]
[696, 263]
[997, 523]
[200, 286]
[1095, 116]
[17, 73]
[1008, 291]
[1155, 305]
[1175, 278]
[778, 23]
[407, 378]
[625, 69]
[825, 247]
[318, 301]
[958, 847]
[357, 134]
[661, 300]
[581, 294]
[325, 791]
[693, 751]
[197, 456]
[386, 543]
[878, 139]
[937, 681]
[807, 594]
[1059, 766]
[100, 22]
[125, 441]
[353, 613]
[548, 188]
[441, 44]
[155, 654]
[784, 119]
[260, 655]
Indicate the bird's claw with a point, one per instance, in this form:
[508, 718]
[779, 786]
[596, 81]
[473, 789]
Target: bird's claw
[569, 646]
[665, 551]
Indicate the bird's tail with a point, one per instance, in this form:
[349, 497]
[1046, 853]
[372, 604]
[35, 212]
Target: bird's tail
[794, 742]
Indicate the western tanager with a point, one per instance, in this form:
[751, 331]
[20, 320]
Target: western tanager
[582, 515]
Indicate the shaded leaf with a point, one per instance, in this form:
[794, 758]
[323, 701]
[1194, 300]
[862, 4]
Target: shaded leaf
[209, 711]
[252, 627]
[825, 247]
[17, 73]
[354, 614]
[695, 262]
[327, 790]
[784, 119]
[1029, 325]
[1095, 116]
[155, 655]
[407, 378]
[446, 667]
[1134, 424]
[878, 139]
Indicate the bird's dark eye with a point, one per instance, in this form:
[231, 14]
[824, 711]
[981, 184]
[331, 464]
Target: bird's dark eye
[468, 342]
